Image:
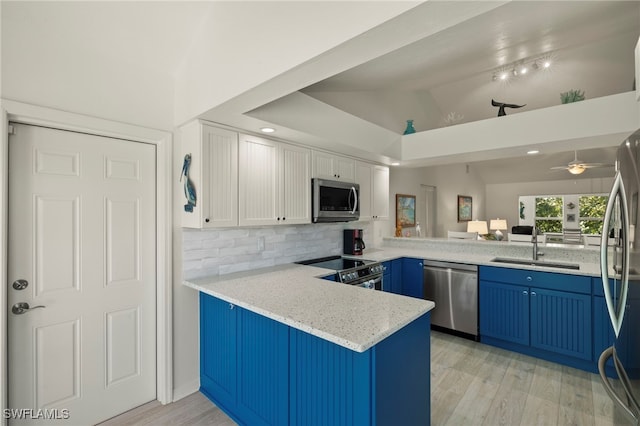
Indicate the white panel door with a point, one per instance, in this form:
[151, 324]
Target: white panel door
[295, 168]
[82, 237]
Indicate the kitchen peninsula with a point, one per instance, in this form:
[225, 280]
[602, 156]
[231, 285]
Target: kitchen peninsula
[281, 346]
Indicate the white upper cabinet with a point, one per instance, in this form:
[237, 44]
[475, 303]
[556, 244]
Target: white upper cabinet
[333, 167]
[274, 181]
[364, 178]
[295, 175]
[374, 190]
[380, 204]
[637, 52]
[213, 173]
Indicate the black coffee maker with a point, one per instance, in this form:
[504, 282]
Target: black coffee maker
[353, 242]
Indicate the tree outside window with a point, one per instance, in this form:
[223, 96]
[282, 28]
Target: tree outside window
[592, 209]
[549, 214]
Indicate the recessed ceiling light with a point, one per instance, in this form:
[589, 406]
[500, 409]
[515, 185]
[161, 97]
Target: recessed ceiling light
[267, 129]
[533, 151]
[395, 164]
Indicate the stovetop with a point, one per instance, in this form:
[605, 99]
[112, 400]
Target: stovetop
[349, 270]
[336, 263]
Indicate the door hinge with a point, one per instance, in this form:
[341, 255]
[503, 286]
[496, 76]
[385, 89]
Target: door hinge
[11, 129]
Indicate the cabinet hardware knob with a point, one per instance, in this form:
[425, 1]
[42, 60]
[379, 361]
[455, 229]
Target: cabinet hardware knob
[284, 218]
[231, 306]
[278, 218]
[529, 279]
[533, 293]
[206, 219]
[525, 292]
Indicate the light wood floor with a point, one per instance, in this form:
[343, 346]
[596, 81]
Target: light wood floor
[471, 384]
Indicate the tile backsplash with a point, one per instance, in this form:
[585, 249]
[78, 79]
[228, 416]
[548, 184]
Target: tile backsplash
[223, 251]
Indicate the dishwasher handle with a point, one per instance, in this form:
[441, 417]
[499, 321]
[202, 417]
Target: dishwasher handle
[450, 265]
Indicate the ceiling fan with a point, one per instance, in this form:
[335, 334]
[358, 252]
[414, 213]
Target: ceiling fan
[576, 166]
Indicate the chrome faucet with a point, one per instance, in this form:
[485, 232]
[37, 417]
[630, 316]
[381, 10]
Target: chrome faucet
[534, 240]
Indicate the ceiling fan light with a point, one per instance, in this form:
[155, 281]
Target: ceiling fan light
[576, 169]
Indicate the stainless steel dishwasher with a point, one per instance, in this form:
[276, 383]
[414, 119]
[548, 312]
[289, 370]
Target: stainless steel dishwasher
[454, 289]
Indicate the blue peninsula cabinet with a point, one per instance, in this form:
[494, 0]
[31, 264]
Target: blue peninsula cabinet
[262, 372]
[544, 314]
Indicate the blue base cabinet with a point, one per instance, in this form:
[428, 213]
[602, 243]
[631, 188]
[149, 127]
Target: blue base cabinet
[243, 362]
[504, 312]
[543, 314]
[392, 278]
[262, 372]
[412, 277]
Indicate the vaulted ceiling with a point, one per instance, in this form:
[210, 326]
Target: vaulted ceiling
[442, 63]
[455, 73]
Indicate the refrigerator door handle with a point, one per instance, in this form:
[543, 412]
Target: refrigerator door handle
[616, 315]
[602, 361]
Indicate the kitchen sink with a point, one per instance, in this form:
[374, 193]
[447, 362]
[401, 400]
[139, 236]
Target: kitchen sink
[536, 263]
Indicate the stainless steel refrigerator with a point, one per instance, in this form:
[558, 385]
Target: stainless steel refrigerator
[619, 364]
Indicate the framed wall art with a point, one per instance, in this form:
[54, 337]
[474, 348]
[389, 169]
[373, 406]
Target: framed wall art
[405, 210]
[465, 204]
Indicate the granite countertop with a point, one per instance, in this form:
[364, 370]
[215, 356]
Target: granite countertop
[357, 318]
[292, 294]
[483, 252]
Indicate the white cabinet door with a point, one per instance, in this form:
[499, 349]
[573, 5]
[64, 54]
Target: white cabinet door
[323, 165]
[334, 167]
[364, 178]
[258, 181]
[214, 174]
[380, 206]
[295, 184]
[345, 169]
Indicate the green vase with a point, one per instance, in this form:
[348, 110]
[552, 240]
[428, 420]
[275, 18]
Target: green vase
[410, 129]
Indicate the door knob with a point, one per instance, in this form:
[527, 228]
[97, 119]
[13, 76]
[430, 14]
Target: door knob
[22, 307]
[20, 284]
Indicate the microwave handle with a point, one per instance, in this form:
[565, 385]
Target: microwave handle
[355, 197]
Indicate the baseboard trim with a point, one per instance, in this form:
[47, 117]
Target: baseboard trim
[186, 389]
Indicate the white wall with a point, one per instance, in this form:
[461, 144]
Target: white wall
[56, 67]
[244, 44]
[450, 181]
[502, 199]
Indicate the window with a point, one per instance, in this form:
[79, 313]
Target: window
[592, 209]
[549, 214]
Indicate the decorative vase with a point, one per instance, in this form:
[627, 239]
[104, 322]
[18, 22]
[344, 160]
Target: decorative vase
[409, 128]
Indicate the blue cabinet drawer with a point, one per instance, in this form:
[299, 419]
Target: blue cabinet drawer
[546, 280]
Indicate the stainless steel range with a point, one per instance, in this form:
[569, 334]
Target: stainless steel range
[358, 272]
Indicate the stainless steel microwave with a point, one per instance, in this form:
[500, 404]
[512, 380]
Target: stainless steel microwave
[334, 201]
